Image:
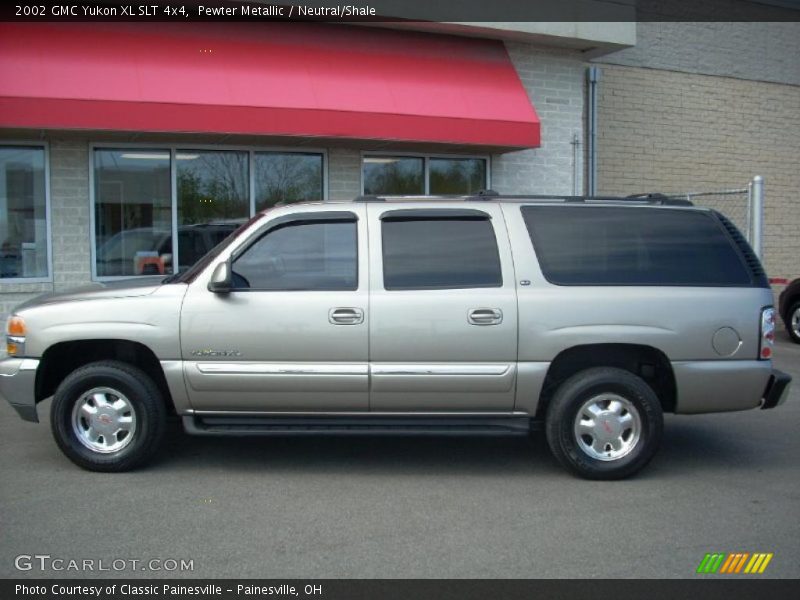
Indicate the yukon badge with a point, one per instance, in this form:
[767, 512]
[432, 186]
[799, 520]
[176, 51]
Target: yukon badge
[208, 352]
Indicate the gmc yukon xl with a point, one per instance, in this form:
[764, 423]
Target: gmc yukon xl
[589, 317]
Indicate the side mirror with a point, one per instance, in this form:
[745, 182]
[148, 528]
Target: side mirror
[220, 282]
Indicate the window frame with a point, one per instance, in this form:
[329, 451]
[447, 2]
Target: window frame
[45, 146]
[426, 170]
[173, 149]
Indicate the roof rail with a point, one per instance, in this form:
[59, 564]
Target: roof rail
[493, 196]
[653, 198]
[662, 198]
[648, 196]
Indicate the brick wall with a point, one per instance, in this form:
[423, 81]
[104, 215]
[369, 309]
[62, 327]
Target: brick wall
[674, 132]
[69, 212]
[554, 81]
[344, 173]
[756, 51]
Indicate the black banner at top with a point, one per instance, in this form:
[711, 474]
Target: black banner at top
[349, 11]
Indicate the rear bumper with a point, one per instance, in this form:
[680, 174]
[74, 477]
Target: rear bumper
[708, 386]
[777, 389]
[17, 386]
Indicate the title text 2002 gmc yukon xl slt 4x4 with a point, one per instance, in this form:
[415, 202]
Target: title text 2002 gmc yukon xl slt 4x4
[473, 316]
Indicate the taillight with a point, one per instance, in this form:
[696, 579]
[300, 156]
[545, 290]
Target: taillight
[767, 333]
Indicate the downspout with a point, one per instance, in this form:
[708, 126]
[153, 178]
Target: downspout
[593, 77]
[757, 215]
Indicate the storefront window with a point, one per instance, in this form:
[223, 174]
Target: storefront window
[283, 178]
[394, 176]
[23, 213]
[212, 186]
[133, 212]
[416, 175]
[213, 199]
[134, 201]
[457, 175]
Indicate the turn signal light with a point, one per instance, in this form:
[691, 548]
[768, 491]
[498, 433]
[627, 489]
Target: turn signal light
[16, 326]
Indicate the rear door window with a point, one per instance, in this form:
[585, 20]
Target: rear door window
[592, 245]
[439, 253]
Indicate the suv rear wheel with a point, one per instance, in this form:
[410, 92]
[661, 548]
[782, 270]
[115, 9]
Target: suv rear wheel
[604, 423]
[108, 416]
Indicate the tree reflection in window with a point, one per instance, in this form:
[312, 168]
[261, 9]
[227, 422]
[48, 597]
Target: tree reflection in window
[212, 186]
[283, 178]
[394, 176]
[457, 175]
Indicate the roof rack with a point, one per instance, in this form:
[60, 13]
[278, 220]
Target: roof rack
[492, 196]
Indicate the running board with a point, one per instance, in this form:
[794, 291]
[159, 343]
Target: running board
[461, 426]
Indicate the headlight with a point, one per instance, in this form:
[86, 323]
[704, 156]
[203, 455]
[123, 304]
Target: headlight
[15, 336]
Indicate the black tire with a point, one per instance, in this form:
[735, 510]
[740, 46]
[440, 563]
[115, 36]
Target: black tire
[794, 335]
[568, 400]
[142, 395]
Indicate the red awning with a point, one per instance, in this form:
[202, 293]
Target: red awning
[298, 79]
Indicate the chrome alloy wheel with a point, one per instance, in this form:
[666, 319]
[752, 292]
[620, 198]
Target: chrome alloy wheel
[795, 321]
[607, 427]
[103, 420]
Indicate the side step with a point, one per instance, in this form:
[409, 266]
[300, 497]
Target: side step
[461, 426]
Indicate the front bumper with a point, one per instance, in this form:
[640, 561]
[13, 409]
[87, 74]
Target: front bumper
[17, 385]
[777, 389]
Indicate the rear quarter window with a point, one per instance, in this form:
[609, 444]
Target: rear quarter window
[593, 245]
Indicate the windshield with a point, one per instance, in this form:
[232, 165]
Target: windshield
[189, 275]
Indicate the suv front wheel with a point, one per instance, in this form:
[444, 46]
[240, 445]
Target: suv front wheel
[108, 416]
[604, 423]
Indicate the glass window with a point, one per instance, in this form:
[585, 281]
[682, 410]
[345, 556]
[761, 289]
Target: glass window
[213, 199]
[632, 246]
[394, 176]
[133, 212]
[286, 177]
[212, 186]
[301, 256]
[194, 241]
[23, 213]
[134, 202]
[439, 254]
[457, 175]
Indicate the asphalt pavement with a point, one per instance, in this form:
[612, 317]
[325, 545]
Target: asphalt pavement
[408, 507]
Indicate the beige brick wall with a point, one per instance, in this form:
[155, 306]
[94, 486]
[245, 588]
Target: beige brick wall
[675, 132]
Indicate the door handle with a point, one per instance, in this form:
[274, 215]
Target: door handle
[485, 316]
[346, 316]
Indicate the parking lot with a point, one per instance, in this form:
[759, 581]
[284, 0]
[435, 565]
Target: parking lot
[410, 507]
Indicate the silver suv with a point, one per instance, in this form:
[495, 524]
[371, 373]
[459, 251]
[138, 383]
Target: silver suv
[483, 315]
